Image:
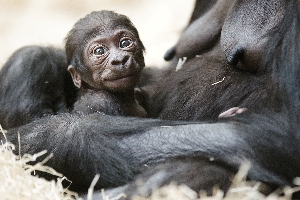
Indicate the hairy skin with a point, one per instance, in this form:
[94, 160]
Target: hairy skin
[34, 82]
[106, 81]
[105, 102]
[245, 50]
[125, 149]
[208, 84]
[105, 57]
[117, 151]
[203, 30]
[270, 136]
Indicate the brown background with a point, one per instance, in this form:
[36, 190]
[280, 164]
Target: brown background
[46, 22]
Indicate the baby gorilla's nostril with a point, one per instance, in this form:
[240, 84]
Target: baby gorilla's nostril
[120, 59]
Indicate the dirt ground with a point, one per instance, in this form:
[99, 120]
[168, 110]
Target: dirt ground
[46, 22]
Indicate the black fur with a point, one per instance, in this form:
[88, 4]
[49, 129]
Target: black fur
[34, 82]
[269, 138]
[119, 148]
[206, 86]
[87, 27]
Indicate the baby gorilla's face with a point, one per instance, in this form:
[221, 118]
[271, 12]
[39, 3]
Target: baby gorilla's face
[114, 59]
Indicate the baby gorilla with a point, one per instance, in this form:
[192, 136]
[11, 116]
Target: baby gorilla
[105, 57]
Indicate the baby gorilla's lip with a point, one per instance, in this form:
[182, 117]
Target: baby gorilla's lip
[123, 77]
[122, 83]
[109, 75]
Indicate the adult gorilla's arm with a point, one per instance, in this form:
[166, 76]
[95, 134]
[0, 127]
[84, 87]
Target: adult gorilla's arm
[118, 147]
[84, 145]
[263, 140]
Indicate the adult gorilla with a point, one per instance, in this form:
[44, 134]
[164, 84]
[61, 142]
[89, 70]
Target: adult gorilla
[206, 85]
[118, 148]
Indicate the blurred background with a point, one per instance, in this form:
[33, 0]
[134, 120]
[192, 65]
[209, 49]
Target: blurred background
[46, 22]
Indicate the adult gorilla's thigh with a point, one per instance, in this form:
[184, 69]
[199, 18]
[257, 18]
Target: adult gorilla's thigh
[34, 82]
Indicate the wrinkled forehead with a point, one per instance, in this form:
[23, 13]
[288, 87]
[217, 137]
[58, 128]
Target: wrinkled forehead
[104, 31]
[108, 29]
[102, 24]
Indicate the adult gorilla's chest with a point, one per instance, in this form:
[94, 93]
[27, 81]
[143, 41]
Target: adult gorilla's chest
[204, 87]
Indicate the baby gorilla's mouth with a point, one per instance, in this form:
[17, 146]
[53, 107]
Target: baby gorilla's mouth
[123, 82]
[120, 78]
[114, 75]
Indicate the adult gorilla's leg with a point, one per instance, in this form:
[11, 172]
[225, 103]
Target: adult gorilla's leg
[197, 173]
[34, 82]
[118, 148]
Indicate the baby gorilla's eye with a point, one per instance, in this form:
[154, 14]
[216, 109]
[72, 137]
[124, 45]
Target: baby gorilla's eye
[99, 51]
[125, 43]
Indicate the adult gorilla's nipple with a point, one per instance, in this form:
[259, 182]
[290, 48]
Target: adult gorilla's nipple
[235, 55]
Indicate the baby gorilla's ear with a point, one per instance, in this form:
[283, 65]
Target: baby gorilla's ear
[75, 76]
